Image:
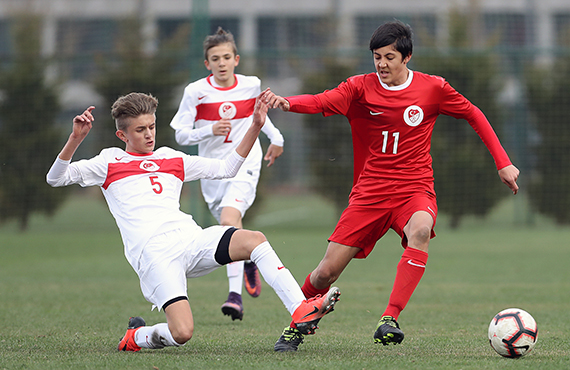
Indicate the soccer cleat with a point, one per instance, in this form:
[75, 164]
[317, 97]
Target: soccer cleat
[128, 342]
[309, 313]
[289, 340]
[252, 279]
[233, 306]
[388, 331]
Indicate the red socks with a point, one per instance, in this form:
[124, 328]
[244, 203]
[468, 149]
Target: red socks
[408, 275]
[310, 291]
[410, 271]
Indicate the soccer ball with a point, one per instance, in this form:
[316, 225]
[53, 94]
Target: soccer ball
[513, 332]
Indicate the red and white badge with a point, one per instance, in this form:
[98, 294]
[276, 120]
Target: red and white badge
[227, 110]
[413, 115]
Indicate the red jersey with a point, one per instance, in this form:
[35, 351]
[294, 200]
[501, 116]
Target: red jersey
[392, 128]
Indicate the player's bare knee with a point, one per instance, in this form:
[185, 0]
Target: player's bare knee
[243, 243]
[249, 240]
[182, 335]
[324, 276]
[256, 238]
[421, 236]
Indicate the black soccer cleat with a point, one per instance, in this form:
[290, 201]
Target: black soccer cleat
[289, 340]
[388, 331]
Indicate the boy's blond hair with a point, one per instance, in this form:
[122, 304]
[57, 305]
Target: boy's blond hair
[131, 106]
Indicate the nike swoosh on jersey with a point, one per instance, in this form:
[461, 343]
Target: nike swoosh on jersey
[376, 113]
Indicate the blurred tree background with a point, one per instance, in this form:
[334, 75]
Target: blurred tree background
[466, 181]
[329, 140]
[549, 91]
[134, 69]
[30, 140]
[56, 63]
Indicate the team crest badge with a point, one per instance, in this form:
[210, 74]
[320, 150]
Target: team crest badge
[227, 110]
[413, 115]
[149, 166]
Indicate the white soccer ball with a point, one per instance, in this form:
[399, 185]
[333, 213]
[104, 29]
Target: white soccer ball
[513, 332]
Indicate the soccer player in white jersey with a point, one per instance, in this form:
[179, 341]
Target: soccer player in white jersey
[215, 112]
[164, 245]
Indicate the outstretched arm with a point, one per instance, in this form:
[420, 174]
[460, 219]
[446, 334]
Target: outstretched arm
[59, 174]
[229, 167]
[507, 172]
[82, 124]
[509, 176]
[259, 115]
[276, 101]
[306, 103]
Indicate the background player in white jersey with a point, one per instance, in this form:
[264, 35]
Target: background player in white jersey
[215, 113]
[164, 245]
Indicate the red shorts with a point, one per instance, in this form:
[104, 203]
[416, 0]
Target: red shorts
[362, 226]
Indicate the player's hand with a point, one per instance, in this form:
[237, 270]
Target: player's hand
[222, 128]
[509, 176]
[276, 101]
[83, 123]
[273, 152]
[260, 109]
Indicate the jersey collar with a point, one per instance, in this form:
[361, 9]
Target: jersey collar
[213, 83]
[140, 154]
[399, 87]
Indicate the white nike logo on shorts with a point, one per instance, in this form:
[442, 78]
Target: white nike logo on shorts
[375, 113]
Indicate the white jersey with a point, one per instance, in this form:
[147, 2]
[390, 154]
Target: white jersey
[143, 191]
[204, 104]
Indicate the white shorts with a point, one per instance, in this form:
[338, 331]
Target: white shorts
[170, 258]
[237, 194]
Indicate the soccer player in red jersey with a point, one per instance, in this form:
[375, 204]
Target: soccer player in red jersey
[392, 113]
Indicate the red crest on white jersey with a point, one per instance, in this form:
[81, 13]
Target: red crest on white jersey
[149, 166]
[227, 110]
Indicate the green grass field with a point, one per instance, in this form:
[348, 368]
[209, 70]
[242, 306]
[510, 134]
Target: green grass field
[66, 293]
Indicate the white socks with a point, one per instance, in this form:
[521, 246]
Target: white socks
[155, 337]
[277, 276]
[235, 276]
[273, 272]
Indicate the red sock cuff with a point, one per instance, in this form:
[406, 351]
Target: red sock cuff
[416, 255]
[310, 291]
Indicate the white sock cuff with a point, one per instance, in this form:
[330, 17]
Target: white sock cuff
[261, 251]
[155, 337]
[167, 337]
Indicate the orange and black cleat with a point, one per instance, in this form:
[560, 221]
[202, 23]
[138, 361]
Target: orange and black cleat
[128, 342]
[309, 313]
